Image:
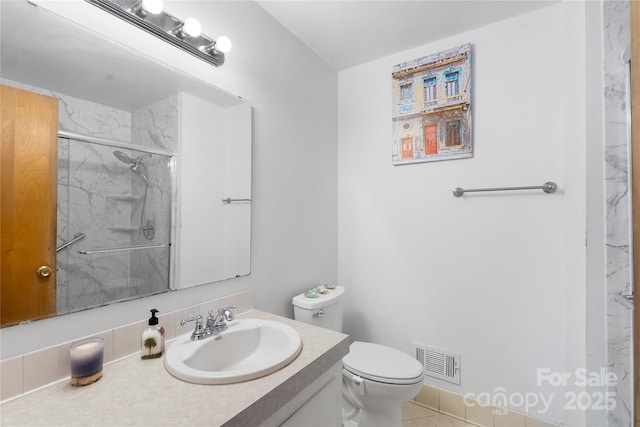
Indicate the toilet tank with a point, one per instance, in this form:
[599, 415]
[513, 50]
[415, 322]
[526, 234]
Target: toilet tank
[324, 311]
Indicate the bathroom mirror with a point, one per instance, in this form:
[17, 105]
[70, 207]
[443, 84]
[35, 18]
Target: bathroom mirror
[154, 165]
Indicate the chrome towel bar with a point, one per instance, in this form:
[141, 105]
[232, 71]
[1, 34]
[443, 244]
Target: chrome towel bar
[128, 248]
[78, 236]
[229, 200]
[547, 187]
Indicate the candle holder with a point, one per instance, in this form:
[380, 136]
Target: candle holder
[86, 361]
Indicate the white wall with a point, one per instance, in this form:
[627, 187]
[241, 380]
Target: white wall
[294, 171]
[498, 277]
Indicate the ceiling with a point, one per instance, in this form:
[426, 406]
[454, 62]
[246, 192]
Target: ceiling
[349, 33]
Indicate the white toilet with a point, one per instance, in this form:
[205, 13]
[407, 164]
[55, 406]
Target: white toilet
[376, 380]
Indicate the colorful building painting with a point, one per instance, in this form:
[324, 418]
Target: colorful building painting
[432, 107]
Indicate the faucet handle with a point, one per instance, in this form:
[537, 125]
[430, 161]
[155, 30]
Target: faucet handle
[197, 319]
[198, 332]
[226, 311]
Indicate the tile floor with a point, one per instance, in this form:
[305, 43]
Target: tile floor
[414, 415]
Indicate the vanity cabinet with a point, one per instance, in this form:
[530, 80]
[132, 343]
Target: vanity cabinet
[323, 409]
[318, 405]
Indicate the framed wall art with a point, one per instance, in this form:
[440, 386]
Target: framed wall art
[432, 107]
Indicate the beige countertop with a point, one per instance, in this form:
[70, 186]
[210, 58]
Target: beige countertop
[141, 392]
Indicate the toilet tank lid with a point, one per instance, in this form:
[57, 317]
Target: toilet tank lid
[323, 300]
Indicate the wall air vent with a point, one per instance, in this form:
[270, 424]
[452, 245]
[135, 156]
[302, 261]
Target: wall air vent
[439, 363]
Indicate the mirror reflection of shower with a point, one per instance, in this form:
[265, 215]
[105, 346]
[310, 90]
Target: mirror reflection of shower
[136, 166]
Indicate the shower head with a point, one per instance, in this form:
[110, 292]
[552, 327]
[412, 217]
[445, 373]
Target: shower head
[135, 165]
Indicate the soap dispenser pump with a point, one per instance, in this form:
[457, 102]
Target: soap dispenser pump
[152, 338]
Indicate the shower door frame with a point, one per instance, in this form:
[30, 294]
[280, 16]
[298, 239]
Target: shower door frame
[635, 141]
[117, 144]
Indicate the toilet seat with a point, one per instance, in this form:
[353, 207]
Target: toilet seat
[382, 364]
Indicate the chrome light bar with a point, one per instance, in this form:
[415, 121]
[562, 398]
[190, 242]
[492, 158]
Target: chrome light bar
[164, 26]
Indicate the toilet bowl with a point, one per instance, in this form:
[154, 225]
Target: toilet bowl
[376, 380]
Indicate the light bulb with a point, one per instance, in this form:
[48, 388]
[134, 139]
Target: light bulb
[153, 7]
[223, 44]
[191, 27]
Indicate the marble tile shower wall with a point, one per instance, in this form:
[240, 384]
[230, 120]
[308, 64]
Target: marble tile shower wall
[616, 38]
[85, 117]
[96, 192]
[156, 125]
[98, 195]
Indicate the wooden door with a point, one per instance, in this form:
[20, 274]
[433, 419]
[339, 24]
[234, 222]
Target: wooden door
[430, 140]
[635, 141]
[28, 183]
[407, 148]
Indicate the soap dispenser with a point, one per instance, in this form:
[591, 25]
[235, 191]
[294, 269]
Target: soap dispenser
[152, 338]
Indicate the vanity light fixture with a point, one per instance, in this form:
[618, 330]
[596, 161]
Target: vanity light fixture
[223, 44]
[146, 7]
[189, 28]
[149, 16]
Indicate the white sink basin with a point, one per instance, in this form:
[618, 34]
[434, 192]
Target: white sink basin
[248, 349]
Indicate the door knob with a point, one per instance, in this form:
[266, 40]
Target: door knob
[43, 271]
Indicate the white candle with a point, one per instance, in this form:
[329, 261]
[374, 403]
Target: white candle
[86, 357]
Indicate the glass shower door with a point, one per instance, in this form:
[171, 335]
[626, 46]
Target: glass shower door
[120, 199]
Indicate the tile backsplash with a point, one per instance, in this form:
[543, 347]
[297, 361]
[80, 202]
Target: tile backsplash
[31, 371]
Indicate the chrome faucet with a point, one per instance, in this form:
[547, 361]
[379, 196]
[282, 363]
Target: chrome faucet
[198, 332]
[215, 323]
